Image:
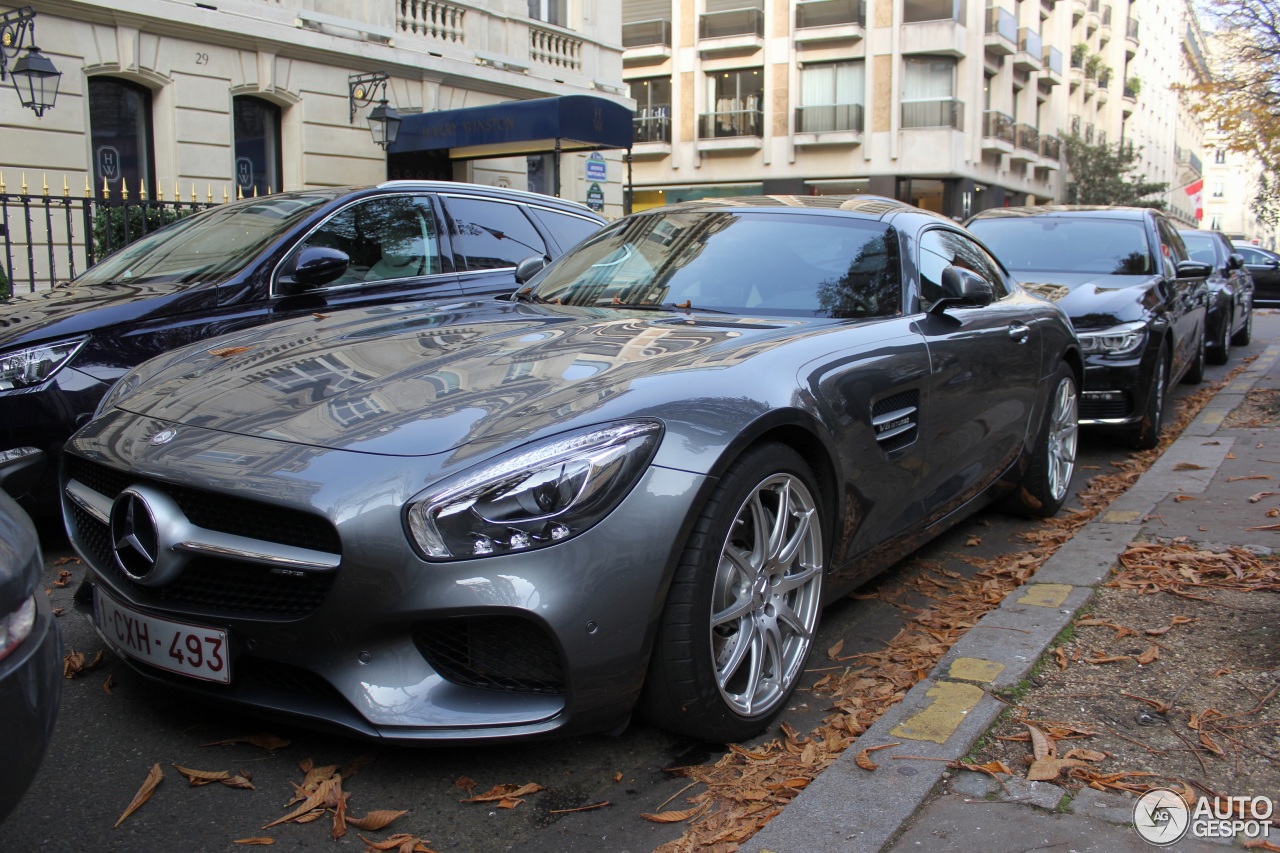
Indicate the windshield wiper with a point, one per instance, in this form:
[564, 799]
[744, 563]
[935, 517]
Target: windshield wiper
[526, 294]
[662, 306]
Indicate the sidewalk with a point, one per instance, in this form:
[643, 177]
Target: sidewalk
[900, 807]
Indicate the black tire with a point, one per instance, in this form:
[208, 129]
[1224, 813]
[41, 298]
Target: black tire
[1245, 334]
[1220, 352]
[750, 581]
[1147, 433]
[1047, 481]
[1195, 373]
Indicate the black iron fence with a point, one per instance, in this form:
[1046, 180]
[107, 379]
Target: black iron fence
[46, 238]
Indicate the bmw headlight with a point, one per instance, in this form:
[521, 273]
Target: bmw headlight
[16, 626]
[1118, 340]
[534, 497]
[29, 367]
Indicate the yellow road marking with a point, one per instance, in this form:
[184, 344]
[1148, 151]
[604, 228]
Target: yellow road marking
[975, 669]
[951, 702]
[1046, 594]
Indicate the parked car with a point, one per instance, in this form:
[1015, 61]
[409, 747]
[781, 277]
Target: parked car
[243, 264]
[637, 484]
[1136, 299]
[1264, 267]
[1230, 317]
[30, 656]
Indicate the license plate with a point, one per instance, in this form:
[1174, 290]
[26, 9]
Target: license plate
[172, 646]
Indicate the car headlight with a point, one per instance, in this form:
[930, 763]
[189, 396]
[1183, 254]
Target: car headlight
[534, 497]
[1118, 340]
[17, 626]
[29, 367]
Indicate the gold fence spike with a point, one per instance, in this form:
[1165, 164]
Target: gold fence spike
[142, 190]
[239, 192]
[159, 191]
[24, 183]
[224, 193]
[255, 190]
[177, 191]
[209, 194]
[106, 188]
[124, 188]
[66, 188]
[1, 183]
[44, 177]
[194, 197]
[88, 188]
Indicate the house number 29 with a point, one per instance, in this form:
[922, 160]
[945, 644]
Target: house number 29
[202, 59]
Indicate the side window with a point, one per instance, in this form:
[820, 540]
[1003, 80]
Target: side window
[1173, 249]
[567, 229]
[490, 234]
[939, 249]
[385, 238]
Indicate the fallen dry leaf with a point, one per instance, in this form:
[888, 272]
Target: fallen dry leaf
[64, 578]
[1188, 466]
[617, 777]
[73, 663]
[466, 783]
[355, 765]
[1249, 477]
[1149, 656]
[676, 816]
[1180, 498]
[834, 651]
[108, 684]
[264, 740]
[498, 793]
[262, 841]
[1061, 656]
[202, 777]
[326, 796]
[402, 842]
[319, 316]
[1042, 746]
[1253, 499]
[376, 820]
[1086, 754]
[227, 352]
[154, 777]
[1047, 769]
[1260, 844]
[973, 542]
[863, 760]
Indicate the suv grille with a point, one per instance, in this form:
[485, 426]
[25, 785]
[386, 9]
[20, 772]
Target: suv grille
[493, 652]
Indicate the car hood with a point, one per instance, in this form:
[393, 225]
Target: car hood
[418, 380]
[19, 556]
[1095, 301]
[72, 310]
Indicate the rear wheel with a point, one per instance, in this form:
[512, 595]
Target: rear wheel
[1048, 477]
[742, 610]
[1242, 337]
[1220, 352]
[1195, 373]
[1147, 434]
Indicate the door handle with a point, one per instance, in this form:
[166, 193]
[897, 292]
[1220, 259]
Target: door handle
[1019, 332]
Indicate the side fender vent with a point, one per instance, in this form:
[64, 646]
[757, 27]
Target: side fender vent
[895, 419]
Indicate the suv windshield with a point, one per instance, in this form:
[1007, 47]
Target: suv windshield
[791, 264]
[206, 247]
[1067, 244]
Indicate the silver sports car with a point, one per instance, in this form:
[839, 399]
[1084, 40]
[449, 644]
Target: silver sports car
[632, 485]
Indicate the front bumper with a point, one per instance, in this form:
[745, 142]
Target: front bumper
[388, 645]
[1115, 392]
[30, 689]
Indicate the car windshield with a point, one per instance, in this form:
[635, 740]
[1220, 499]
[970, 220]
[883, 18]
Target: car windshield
[1201, 247]
[1067, 244]
[790, 264]
[206, 247]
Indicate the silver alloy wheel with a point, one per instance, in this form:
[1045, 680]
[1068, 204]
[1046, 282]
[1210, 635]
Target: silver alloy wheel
[764, 604]
[1063, 433]
[1158, 390]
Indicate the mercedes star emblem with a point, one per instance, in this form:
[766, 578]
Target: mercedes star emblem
[134, 536]
[164, 436]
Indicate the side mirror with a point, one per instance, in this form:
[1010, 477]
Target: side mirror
[314, 267]
[962, 287]
[1235, 261]
[20, 469]
[1272, 263]
[530, 267]
[1193, 269]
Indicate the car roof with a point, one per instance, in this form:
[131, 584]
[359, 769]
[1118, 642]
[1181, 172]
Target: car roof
[457, 187]
[1098, 211]
[870, 206]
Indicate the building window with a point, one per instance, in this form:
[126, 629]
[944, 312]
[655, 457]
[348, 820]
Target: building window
[120, 133]
[1220, 156]
[257, 135]
[1215, 222]
[831, 97]
[653, 109]
[929, 93]
[550, 11]
[736, 97]
[1219, 189]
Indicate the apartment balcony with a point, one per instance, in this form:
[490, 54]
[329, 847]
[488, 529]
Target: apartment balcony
[1102, 138]
[730, 130]
[1092, 17]
[934, 26]
[432, 21]
[1075, 125]
[823, 21]
[829, 124]
[1131, 37]
[1104, 30]
[1078, 9]
[1001, 32]
[1088, 132]
[1189, 166]
[1026, 144]
[997, 132]
[1050, 152]
[1090, 86]
[651, 132]
[1051, 67]
[941, 113]
[646, 42]
[1030, 46]
[735, 31]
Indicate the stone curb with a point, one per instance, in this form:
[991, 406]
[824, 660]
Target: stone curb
[849, 809]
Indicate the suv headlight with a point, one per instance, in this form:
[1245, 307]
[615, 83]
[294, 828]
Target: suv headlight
[1118, 340]
[534, 497]
[16, 626]
[29, 367]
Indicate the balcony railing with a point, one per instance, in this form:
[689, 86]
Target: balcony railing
[646, 34]
[943, 113]
[1026, 137]
[556, 49]
[1106, 16]
[1102, 137]
[730, 123]
[1131, 29]
[917, 11]
[432, 19]
[652, 124]
[1029, 41]
[997, 125]
[830, 13]
[1130, 93]
[1075, 125]
[1196, 165]
[1050, 147]
[734, 22]
[1053, 60]
[1077, 59]
[1002, 22]
[822, 118]
[1088, 132]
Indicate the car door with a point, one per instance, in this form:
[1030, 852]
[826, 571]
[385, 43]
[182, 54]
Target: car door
[489, 237]
[1187, 299]
[985, 365]
[1265, 269]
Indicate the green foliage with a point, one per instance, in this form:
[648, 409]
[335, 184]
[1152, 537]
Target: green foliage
[1133, 86]
[1093, 65]
[1078, 53]
[109, 224]
[1102, 174]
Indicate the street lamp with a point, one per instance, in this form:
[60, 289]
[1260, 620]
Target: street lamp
[34, 76]
[384, 124]
[384, 121]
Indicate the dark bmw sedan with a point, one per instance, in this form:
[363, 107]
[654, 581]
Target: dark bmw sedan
[1264, 266]
[632, 487]
[30, 656]
[247, 263]
[1136, 298]
[1230, 292]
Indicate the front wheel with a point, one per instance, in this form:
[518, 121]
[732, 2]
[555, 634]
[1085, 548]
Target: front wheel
[1147, 434]
[1195, 373]
[1048, 477]
[742, 610]
[1220, 352]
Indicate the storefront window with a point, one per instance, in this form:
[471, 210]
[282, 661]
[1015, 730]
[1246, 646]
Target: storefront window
[120, 133]
[257, 136]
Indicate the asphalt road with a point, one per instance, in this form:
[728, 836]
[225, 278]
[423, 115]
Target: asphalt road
[105, 743]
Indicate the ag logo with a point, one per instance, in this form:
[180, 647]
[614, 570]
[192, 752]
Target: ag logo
[1161, 817]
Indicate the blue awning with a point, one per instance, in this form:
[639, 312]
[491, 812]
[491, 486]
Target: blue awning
[576, 122]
